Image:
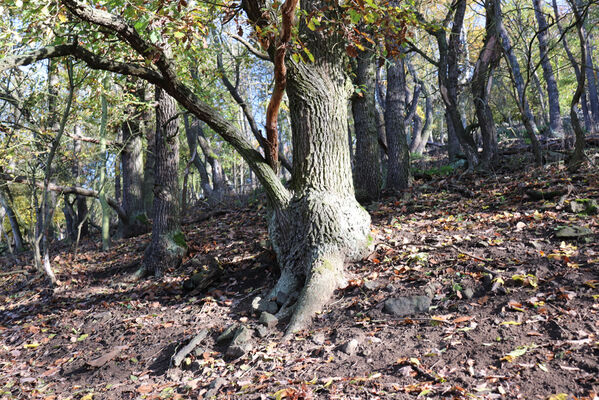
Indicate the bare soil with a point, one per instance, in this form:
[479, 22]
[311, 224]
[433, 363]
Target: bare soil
[515, 309]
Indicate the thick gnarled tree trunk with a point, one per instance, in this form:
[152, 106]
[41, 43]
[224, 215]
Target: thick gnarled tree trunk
[323, 226]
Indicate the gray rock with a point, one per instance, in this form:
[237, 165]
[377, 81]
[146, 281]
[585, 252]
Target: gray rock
[401, 306]
[584, 206]
[227, 334]
[214, 387]
[259, 305]
[262, 331]
[242, 335]
[469, 293]
[390, 288]
[349, 347]
[318, 338]
[371, 285]
[238, 350]
[573, 232]
[268, 320]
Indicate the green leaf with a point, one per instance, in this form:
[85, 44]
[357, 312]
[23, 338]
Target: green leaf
[82, 337]
[354, 16]
[310, 55]
[179, 35]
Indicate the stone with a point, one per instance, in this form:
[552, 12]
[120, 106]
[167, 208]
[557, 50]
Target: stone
[469, 293]
[259, 305]
[268, 320]
[573, 232]
[238, 350]
[402, 306]
[262, 331]
[349, 347]
[227, 334]
[214, 387]
[318, 338]
[371, 285]
[242, 335]
[584, 206]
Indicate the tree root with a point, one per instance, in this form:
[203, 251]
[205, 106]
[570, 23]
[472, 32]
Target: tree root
[324, 279]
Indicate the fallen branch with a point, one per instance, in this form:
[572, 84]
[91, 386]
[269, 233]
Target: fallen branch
[19, 271]
[181, 354]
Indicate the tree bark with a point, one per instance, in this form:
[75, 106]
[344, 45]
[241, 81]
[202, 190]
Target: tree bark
[191, 133]
[367, 167]
[167, 246]
[132, 174]
[323, 225]
[482, 81]
[555, 119]
[398, 164]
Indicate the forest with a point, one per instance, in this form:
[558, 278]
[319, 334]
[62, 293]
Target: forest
[299, 199]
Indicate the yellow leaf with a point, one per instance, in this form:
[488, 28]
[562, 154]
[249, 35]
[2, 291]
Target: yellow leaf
[31, 345]
[561, 396]
[62, 18]
[88, 396]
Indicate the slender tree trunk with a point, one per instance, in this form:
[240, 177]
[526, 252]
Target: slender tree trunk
[367, 168]
[482, 81]
[12, 219]
[103, 161]
[191, 133]
[149, 132]
[555, 119]
[398, 165]
[81, 220]
[167, 246]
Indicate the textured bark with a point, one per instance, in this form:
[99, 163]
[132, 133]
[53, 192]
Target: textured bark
[482, 81]
[132, 176]
[81, 221]
[167, 246]
[367, 167]
[149, 132]
[219, 185]
[398, 165]
[516, 76]
[555, 119]
[323, 225]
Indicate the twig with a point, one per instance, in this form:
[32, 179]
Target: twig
[19, 271]
[180, 356]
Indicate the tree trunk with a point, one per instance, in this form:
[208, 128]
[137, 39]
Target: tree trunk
[191, 133]
[555, 119]
[367, 168]
[167, 246]
[149, 132]
[527, 117]
[219, 186]
[102, 184]
[398, 165]
[482, 81]
[12, 219]
[132, 177]
[323, 225]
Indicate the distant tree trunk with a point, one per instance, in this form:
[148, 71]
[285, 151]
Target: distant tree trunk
[449, 71]
[576, 67]
[12, 218]
[367, 168]
[591, 78]
[578, 154]
[555, 119]
[81, 220]
[102, 188]
[132, 177]
[167, 246]
[219, 186]
[482, 81]
[398, 165]
[516, 76]
[191, 133]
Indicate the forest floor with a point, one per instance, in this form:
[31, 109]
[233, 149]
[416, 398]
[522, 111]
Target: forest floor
[515, 308]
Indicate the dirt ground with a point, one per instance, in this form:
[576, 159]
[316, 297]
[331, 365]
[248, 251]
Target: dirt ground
[514, 315]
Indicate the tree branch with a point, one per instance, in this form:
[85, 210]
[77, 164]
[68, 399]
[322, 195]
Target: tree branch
[261, 55]
[67, 190]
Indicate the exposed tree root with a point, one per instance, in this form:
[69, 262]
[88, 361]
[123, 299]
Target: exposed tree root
[326, 276]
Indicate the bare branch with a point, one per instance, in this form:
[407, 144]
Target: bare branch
[261, 55]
